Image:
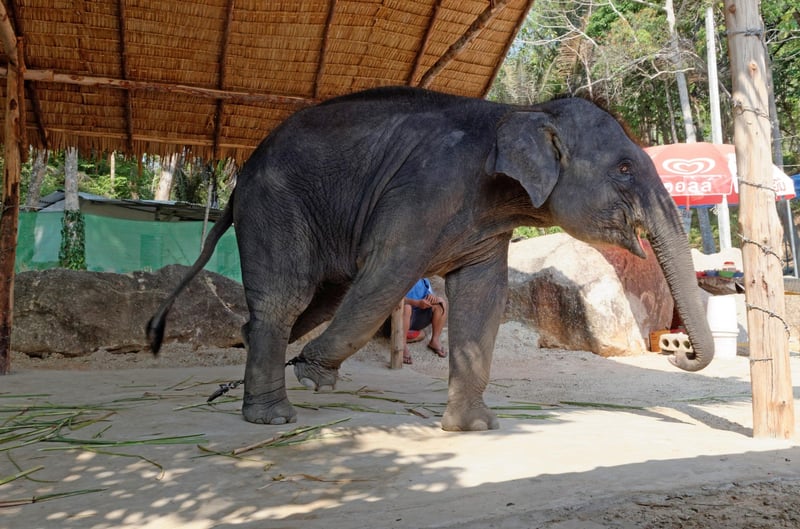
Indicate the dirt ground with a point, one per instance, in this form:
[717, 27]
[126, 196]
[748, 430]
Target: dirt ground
[127, 441]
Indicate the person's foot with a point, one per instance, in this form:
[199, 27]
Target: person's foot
[407, 357]
[438, 349]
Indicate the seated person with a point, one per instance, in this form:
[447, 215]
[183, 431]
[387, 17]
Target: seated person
[422, 308]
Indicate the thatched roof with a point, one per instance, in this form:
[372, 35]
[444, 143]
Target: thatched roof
[216, 76]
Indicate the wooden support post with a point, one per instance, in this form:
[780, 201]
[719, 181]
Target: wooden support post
[773, 404]
[397, 338]
[10, 214]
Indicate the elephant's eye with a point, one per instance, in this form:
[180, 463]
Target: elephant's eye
[624, 171]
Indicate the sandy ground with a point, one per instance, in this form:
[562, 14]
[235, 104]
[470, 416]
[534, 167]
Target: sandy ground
[616, 443]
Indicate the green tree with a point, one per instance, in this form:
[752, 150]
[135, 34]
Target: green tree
[618, 52]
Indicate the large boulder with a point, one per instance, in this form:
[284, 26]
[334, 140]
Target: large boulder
[75, 313]
[592, 298]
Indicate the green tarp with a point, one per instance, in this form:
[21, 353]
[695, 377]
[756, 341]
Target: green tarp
[118, 245]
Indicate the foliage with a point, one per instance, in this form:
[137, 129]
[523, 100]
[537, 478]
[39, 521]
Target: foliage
[72, 254]
[619, 53]
[136, 179]
[529, 232]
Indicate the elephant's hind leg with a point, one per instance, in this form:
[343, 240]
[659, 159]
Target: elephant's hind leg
[273, 311]
[265, 400]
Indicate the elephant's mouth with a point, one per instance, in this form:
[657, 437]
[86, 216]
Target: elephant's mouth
[632, 241]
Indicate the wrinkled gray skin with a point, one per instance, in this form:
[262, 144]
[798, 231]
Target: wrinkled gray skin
[346, 204]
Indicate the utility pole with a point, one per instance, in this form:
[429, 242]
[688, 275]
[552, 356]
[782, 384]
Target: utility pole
[770, 374]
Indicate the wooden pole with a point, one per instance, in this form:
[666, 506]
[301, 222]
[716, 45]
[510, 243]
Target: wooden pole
[773, 404]
[397, 338]
[9, 219]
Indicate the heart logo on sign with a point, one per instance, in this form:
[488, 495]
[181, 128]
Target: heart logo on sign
[688, 167]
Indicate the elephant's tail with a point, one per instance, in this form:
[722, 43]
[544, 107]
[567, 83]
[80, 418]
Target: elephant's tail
[155, 327]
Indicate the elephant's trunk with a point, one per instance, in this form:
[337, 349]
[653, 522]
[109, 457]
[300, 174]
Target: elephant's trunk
[671, 247]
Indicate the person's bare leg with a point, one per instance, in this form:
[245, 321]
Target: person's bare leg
[437, 324]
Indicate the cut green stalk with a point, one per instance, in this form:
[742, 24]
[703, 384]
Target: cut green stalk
[525, 416]
[296, 436]
[519, 407]
[137, 456]
[180, 439]
[9, 479]
[46, 497]
[601, 405]
[28, 477]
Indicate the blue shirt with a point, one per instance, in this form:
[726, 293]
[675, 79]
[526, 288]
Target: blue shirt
[420, 289]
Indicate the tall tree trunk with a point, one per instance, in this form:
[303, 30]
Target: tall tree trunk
[38, 171]
[672, 130]
[167, 177]
[72, 254]
[709, 245]
[112, 167]
[683, 91]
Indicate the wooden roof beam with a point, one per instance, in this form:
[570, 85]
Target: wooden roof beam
[191, 142]
[11, 16]
[424, 45]
[323, 52]
[491, 11]
[123, 58]
[36, 105]
[50, 76]
[223, 70]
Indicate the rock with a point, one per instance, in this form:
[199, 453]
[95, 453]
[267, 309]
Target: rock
[592, 298]
[75, 313]
[570, 292]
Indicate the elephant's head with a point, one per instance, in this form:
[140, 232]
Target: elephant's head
[577, 163]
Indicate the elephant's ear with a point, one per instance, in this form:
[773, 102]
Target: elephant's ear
[527, 150]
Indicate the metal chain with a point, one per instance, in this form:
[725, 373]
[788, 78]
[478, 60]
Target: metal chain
[226, 387]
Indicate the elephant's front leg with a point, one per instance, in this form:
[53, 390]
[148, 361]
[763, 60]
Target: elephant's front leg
[477, 297]
[265, 400]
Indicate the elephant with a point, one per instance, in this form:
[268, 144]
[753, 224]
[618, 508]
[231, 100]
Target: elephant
[347, 203]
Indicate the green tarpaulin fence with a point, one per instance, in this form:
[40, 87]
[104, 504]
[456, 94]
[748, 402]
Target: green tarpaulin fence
[121, 246]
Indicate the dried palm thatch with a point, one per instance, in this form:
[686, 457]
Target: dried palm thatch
[215, 76]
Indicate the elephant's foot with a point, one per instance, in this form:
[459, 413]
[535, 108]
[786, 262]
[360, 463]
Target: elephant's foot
[314, 376]
[477, 417]
[268, 411]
